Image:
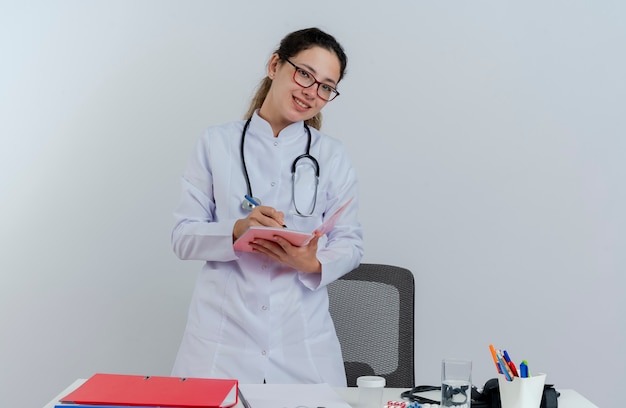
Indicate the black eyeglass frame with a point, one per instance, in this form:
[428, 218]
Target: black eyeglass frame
[315, 81]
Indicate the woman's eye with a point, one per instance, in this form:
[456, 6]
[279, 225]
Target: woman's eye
[327, 88]
[303, 73]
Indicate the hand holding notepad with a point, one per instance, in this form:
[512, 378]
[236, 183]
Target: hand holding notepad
[297, 238]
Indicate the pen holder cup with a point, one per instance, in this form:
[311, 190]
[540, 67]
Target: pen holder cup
[521, 392]
[370, 391]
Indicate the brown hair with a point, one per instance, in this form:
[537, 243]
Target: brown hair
[291, 45]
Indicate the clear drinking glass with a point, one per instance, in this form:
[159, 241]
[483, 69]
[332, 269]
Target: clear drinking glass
[456, 383]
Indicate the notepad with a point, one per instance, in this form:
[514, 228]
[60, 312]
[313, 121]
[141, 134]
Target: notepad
[297, 238]
[120, 389]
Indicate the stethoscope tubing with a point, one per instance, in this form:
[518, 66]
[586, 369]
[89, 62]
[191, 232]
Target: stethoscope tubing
[250, 201]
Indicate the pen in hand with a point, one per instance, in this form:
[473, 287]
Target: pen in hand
[254, 203]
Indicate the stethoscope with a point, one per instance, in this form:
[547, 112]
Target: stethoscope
[250, 201]
[459, 393]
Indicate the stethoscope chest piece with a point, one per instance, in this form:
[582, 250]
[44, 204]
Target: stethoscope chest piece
[249, 203]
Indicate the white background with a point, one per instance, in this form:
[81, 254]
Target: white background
[488, 137]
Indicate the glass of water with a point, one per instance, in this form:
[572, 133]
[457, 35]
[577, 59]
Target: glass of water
[456, 383]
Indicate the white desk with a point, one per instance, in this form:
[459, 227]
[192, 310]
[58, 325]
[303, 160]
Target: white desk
[568, 398]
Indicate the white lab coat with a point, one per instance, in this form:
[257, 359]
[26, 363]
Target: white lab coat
[251, 318]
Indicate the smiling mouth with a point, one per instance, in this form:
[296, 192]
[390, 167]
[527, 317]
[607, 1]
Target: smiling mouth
[301, 104]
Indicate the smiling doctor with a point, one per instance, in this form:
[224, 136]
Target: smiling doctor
[262, 316]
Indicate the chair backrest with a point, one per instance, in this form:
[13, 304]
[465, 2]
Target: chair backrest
[372, 308]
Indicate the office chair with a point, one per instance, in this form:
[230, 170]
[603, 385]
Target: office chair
[372, 308]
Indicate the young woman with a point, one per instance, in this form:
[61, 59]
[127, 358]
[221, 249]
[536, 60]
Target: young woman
[262, 316]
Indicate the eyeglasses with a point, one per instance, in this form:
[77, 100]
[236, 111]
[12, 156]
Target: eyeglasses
[305, 79]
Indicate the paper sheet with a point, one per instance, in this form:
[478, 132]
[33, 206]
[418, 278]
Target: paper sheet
[292, 396]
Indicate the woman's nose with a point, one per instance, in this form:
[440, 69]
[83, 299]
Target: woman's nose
[310, 92]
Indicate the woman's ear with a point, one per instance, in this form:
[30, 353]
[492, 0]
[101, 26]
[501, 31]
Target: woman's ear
[272, 65]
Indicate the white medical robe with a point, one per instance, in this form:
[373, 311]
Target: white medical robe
[251, 318]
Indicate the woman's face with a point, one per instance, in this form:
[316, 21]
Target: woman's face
[287, 102]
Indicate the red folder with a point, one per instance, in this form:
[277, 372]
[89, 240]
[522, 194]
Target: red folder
[137, 390]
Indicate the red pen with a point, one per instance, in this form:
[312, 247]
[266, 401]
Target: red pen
[511, 364]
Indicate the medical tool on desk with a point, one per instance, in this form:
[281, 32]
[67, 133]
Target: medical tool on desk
[250, 201]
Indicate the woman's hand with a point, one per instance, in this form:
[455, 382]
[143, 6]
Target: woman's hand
[302, 258]
[259, 216]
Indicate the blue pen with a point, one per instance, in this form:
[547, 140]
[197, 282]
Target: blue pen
[510, 363]
[255, 203]
[251, 200]
[504, 370]
[523, 368]
[506, 356]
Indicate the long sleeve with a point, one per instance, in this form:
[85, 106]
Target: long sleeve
[199, 234]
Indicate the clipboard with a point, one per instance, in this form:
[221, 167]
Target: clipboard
[137, 390]
[297, 238]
